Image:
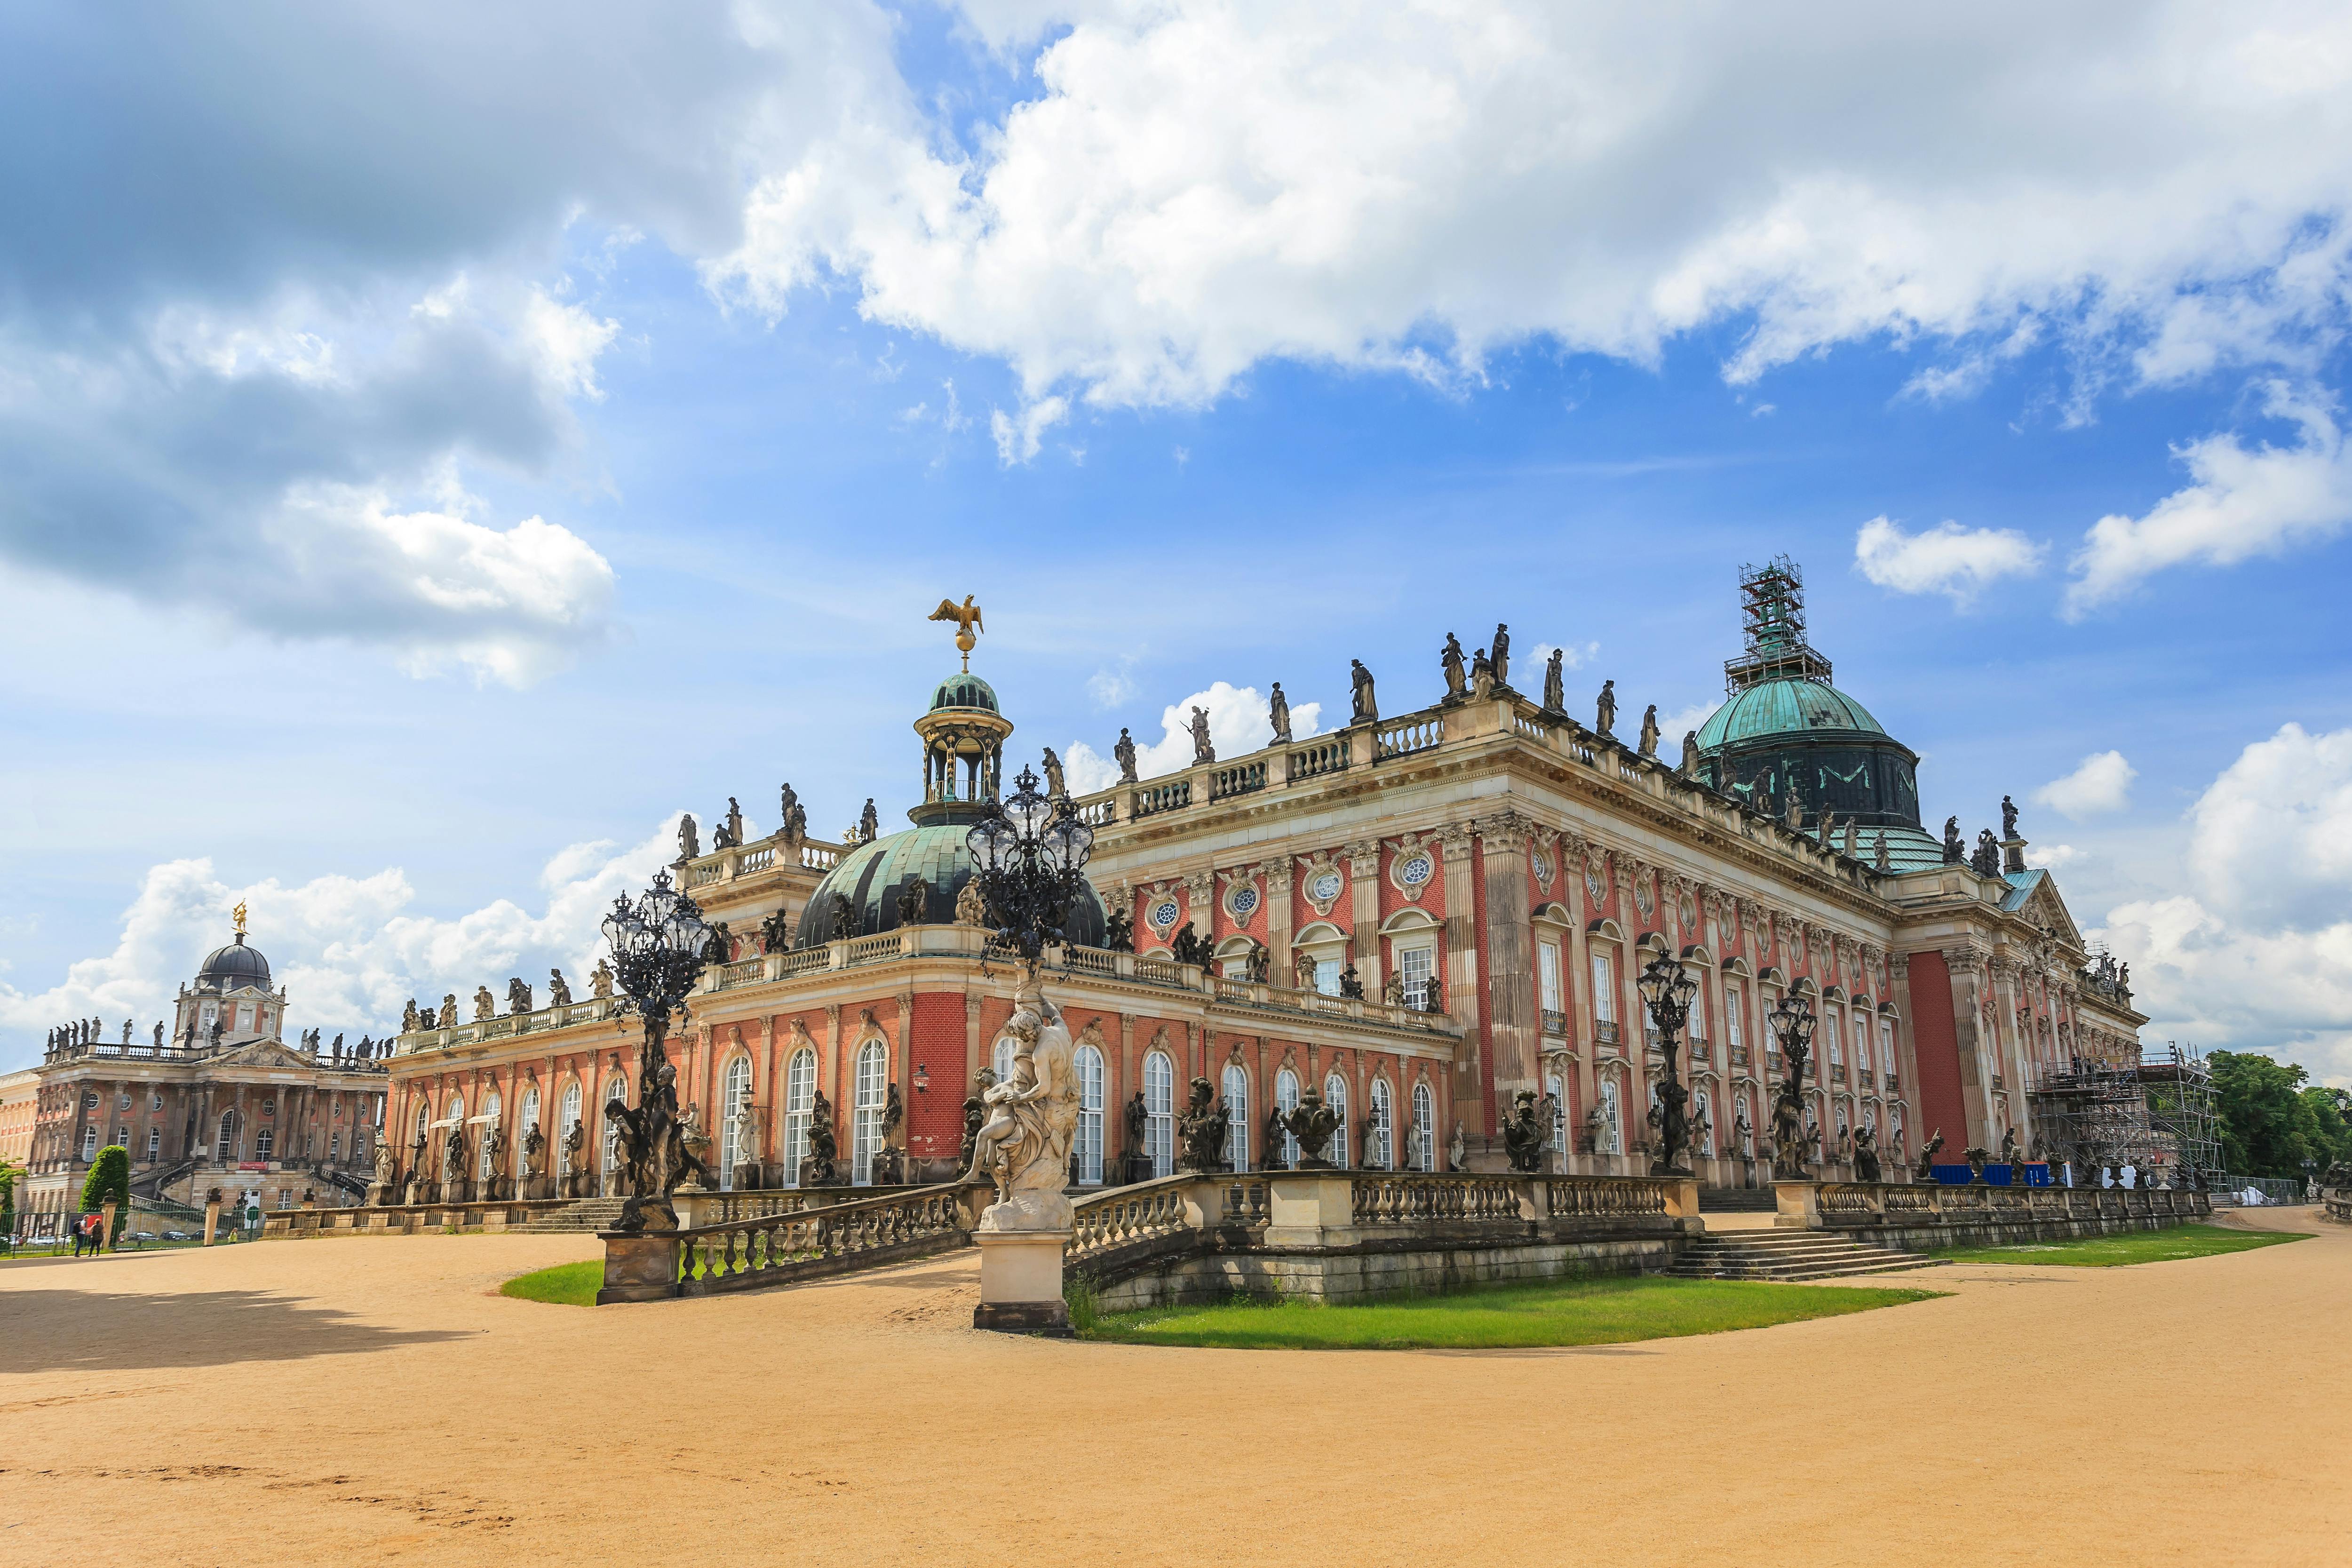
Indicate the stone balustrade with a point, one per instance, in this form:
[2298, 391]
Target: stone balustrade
[787, 1247]
[1930, 1214]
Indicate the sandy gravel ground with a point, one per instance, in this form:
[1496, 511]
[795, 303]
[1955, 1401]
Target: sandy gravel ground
[370, 1400]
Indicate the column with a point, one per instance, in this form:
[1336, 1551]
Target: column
[1461, 997]
[1278, 873]
[1509, 1000]
[1363, 858]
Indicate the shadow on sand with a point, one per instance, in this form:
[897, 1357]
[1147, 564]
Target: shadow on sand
[58, 1330]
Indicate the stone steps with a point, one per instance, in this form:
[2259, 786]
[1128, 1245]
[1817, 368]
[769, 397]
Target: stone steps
[1737, 1200]
[1789, 1255]
[587, 1214]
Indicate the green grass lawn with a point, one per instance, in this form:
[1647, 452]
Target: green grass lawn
[566, 1284]
[1560, 1312]
[2133, 1247]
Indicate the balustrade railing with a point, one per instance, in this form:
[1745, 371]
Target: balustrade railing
[1409, 1198]
[741, 972]
[1555, 1022]
[1848, 1205]
[1605, 1032]
[756, 860]
[1243, 778]
[1604, 1197]
[770, 1248]
[1099, 812]
[1125, 1216]
[703, 875]
[1318, 758]
[1403, 737]
[872, 949]
[1153, 799]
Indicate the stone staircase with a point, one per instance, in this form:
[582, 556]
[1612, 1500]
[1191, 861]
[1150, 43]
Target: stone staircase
[588, 1214]
[1790, 1257]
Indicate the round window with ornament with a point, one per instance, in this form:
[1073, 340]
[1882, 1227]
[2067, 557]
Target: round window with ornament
[1416, 871]
[1242, 901]
[1163, 913]
[1325, 887]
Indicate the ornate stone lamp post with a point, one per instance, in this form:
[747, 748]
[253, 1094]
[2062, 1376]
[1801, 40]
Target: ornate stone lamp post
[1793, 1023]
[1667, 991]
[659, 945]
[1029, 856]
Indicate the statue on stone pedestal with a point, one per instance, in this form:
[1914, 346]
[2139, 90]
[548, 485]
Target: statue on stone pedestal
[821, 1169]
[1055, 788]
[775, 932]
[159, 1034]
[914, 902]
[1302, 969]
[575, 1168]
[1393, 991]
[600, 979]
[1138, 1120]
[1432, 989]
[1260, 960]
[1795, 817]
[1366, 707]
[1688, 766]
[1124, 752]
[534, 1151]
[453, 1156]
[126, 1031]
[1350, 985]
[1555, 685]
[870, 823]
[1313, 1123]
[720, 839]
[970, 907]
[1481, 676]
[1277, 1126]
[1202, 750]
[2008, 817]
[1458, 1153]
[1375, 1146]
[1596, 1130]
[1024, 1145]
[1499, 651]
[384, 1168]
[1928, 1153]
[1605, 719]
[485, 1004]
[559, 990]
[1742, 1129]
[1649, 743]
[1449, 659]
[1200, 1131]
[975, 1113]
[1955, 850]
[2011, 1156]
[518, 995]
[1789, 1144]
[689, 842]
[734, 823]
[1277, 713]
[494, 1155]
[1527, 1130]
[1878, 859]
[1119, 932]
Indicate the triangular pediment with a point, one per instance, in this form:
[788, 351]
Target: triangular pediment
[2047, 910]
[263, 1053]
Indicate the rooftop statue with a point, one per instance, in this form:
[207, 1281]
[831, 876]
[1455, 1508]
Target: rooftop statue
[689, 842]
[966, 617]
[775, 932]
[485, 1004]
[914, 904]
[559, 990]
[1688, 766]
[2008, 817]
[1054, 787]
[1555, 685]
[970, 905]
[1649, 730]
[1604, 718]
[1481, 674]
[1277, 713]
[518, 995]
[734, 822]
[870, 823]
[159, 1034]
[1499, 651]
[600, 979]
[1795, 815]
[1955, 849]
[449, 1010]
[1366, 708]
[1124, 751]
[1203, 751]
[1850, 845]
[1449, 659]
[408, 1021]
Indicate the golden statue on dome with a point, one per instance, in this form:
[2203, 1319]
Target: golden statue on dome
[237, 914]
[966, 617]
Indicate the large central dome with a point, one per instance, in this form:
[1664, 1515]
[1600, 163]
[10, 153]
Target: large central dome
[872, 876]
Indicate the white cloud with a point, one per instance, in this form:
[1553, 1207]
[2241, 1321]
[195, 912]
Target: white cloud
[2242, 503]
[2050, 857]
[2255, 952]
[2102, 783]
[1947, 559]
[1676, 725]
[1573, 655]
[1237, 725]
[343, 948]
[1017, 439]
[1196, 187]
[1109, 688]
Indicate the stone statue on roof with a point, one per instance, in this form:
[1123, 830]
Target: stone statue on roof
[1054, 787]
[1449, 659]
[689, 841]
[1649, 730]
[1277, 713]
[1499, 653]
[1555, 685]
[1124, 752]
[1688, 766]
[2008, 817]
[1203, 751]
[1367, 708]
[1604, 718]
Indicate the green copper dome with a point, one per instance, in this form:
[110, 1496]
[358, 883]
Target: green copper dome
[964, 690]
[1784, 708]
[871, 875]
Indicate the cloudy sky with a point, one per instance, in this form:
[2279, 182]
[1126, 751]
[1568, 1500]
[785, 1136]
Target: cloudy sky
[439, 444]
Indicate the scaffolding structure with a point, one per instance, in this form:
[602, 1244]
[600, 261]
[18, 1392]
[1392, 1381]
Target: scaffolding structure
[2155, 1115]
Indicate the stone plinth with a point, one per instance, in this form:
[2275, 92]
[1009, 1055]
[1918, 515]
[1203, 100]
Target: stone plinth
[639, 1267]
[1311, 1208]
[1799, 1205]
[1021, 1282]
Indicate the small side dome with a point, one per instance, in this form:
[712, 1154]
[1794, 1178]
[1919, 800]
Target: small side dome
[964, 690]
[872, 876]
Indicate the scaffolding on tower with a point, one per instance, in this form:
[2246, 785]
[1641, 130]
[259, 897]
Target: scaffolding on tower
[1772, 603]
[2156, 1113]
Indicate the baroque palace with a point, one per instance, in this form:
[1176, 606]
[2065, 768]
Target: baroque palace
[1422, 914]
[219, 1100]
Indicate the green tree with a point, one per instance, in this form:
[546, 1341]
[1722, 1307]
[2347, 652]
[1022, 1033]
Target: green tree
[110, 1177]
[8, 1174]
[2321, 1117]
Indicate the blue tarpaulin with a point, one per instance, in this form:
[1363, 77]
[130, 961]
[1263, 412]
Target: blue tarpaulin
[2037, 1175]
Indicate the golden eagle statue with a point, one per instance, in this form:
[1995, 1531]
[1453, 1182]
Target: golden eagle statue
[966, 617]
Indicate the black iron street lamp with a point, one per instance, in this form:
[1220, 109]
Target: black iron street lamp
[1793, 1023]
[1029, 856]
[660, 944]
[1668, 989]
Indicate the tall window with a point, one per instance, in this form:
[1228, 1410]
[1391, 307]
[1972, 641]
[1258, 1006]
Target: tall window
[263, 1142]
[1415, 966]
[529, 1121]
[1001, 1061]
[1425, 1125]
[1159, 1112]
[865, 1115]
[1286, 1100]
[1613, 1121]
[90, 1142]
[1237, 1118]
[1604, 988]
[735, 1093]
[1335, 1095]
[1553, 1086]
[1380, 1154]
[1862, 1042]
[1702, 1129]
[1732, 1030]
[1547, 976]
[1837, 1046]
[154, 1141]
[1088, 1147]
[1885, 1046]
[800, 1094]
[1895, 1130]
[1327, 976]
[334, 1144]
[491, 1106]
[571, 1118]
[229, 1148]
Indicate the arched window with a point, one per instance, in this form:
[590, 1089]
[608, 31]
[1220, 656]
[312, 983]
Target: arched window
[865, 1121]
[228, 1149]
[1335, 1095]
[1425, 1125]
[1159, 1112]
[263, 1142]
[90, 1142]
[800, 1094]
[1613, 1119]
[1559, 1114]
[1379, 1153]
[529, 1121]
[1002, 1059]
[1286, 1100]
[734, 1093]
[1087, 1150]
[491, 1106]
[571, 1119]
[1237, 1118]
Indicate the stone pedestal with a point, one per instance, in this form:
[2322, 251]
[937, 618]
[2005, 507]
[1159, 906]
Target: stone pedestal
[1311, 1208]
[1799, 1205]
[639, 1267]
[212, 1218]
[105, 1236]
[1021, 1282]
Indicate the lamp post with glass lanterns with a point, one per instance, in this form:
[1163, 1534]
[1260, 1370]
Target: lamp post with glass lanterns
[660, 944]
[1029, 856]
[1667, 989]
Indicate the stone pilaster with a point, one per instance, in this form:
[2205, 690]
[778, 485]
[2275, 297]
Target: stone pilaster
[1509, 999]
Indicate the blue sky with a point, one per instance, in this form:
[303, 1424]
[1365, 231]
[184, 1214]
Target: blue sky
[1201, 346]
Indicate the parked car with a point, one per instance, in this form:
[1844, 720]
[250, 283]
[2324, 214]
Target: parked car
[177, 1235]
